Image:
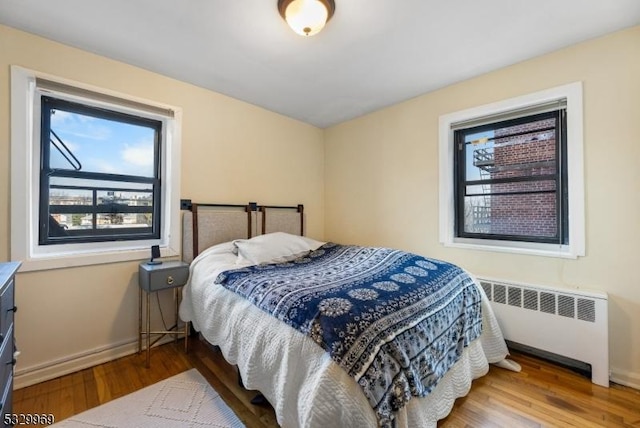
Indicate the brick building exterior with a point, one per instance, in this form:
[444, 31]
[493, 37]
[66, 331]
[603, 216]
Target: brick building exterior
[532, 153]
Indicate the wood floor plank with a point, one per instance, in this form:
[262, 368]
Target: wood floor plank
[90, 390]
[541, 395]
[62, 398]
[101, 376]
[78, 396]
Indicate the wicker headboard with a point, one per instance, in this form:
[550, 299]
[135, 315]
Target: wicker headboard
[205, 224]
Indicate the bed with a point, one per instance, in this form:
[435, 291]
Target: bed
[249, 260]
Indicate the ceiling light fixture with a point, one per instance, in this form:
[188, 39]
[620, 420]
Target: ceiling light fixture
[306, 17]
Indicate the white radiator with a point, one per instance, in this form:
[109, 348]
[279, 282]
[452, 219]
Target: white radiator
[569, 323]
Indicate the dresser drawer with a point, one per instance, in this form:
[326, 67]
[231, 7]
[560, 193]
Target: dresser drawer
[6, 402]
[166, 275]
[6, 310]
[6, 359]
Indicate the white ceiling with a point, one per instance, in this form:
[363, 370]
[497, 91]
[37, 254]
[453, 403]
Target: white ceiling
[373, 53]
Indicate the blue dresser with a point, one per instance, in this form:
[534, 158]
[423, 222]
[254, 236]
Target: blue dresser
[7, 346]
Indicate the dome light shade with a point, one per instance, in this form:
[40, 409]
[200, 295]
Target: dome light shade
[306, 17]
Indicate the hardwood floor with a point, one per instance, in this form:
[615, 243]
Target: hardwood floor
[542, 395]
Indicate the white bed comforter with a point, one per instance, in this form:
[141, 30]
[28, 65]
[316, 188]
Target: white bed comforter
[305, 387]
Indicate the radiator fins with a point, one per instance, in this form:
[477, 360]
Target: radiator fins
[549, 302]
[586, 310]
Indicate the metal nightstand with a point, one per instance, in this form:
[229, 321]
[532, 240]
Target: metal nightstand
[153, 278]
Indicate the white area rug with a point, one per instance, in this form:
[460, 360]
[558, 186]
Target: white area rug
[184, 400]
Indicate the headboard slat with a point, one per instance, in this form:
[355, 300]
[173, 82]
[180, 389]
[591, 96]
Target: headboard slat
[194, 219]
[288, 219]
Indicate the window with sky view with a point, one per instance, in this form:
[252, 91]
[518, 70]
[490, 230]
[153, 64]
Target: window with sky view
[99, 176]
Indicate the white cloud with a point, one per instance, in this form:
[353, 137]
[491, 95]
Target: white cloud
[140, 156]
[63, 122]
[101, 165]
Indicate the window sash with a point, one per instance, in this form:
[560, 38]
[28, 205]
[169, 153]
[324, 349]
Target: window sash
[514, 118]
[95, 233]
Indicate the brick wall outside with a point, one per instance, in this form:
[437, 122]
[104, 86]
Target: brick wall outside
[535, 214]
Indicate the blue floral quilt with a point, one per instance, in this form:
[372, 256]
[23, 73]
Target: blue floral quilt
[395, 321]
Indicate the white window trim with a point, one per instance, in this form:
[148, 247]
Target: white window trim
[25, 147]
[575, 173]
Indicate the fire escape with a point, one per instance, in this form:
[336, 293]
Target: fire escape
[484, 160]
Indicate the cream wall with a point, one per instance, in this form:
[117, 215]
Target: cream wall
[373, 180]
[381, 179]
[232, 152]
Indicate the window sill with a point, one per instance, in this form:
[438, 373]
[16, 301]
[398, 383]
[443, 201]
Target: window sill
[525, 248]
[88, 258]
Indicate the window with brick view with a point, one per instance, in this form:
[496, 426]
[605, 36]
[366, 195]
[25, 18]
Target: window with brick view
[511, 179]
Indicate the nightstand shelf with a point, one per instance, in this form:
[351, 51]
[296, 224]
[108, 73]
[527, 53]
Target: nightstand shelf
[151, 279]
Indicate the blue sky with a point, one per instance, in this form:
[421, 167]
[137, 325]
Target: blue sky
[103, 145]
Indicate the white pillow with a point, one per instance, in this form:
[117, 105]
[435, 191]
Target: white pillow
[275, 247]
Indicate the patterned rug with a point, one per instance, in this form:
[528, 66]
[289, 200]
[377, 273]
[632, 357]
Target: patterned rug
[184, 400]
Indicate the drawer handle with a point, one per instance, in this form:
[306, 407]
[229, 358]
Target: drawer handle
[170, 280]
[14, 309]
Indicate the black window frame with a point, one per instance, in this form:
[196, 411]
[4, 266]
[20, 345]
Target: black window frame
[50, 232]
[560, 177]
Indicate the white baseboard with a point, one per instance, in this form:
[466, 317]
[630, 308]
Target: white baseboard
[625, 378]
[73, 363]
